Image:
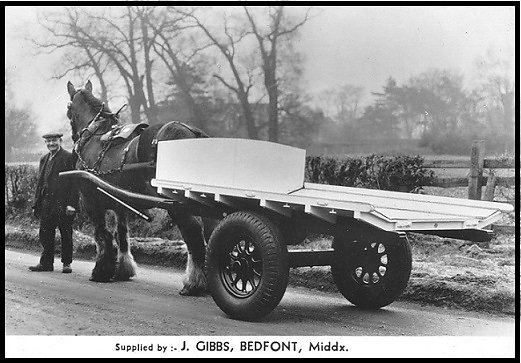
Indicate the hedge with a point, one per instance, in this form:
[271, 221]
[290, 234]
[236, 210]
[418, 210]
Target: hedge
[20, 185]
[398, 173]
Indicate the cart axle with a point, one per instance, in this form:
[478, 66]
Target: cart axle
[302, 258]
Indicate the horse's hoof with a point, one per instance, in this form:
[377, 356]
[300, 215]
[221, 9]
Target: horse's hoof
[122, 278]
[99, 279]
[192, 291]
[125, 272]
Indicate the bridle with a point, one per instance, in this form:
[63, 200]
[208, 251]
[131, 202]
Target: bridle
[80, 141]
[72, 117]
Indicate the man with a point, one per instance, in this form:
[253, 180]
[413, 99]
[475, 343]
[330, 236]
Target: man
[56, 201]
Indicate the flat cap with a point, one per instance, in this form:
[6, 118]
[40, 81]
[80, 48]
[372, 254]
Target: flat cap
[52, 135]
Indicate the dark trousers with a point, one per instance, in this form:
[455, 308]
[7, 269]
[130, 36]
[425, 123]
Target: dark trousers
[48, 224]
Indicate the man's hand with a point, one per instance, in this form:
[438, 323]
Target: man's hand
[70, 210]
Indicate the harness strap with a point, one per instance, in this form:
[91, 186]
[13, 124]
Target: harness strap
[122, 107]
[125, 152]
[197, 132]
[133, 166]
[160, 131]
[95, 118]
[153, 150]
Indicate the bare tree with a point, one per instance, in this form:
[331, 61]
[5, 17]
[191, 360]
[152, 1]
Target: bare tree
[170, 45]
[498, 89]
[66, 31]
[122, 39]
[228, 48]
[279, 27]
[116, 37]
[144, 13]
[342, 103]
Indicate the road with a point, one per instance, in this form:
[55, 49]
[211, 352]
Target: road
[52, 303]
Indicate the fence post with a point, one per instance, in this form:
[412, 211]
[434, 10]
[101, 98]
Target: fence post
[491, 187]
[477, 156]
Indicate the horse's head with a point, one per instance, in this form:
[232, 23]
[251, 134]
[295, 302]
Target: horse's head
[83, 108]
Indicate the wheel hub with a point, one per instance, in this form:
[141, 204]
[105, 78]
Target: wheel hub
[242, 269]
[371, 263]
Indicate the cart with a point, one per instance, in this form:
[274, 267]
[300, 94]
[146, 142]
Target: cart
[256, 190]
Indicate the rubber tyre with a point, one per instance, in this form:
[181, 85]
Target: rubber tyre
[359, 257]
[226, 261]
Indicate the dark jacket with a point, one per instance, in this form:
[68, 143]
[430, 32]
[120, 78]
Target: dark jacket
[61, 191]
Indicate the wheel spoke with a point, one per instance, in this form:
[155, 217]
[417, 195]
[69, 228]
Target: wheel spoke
[252, 283]
[257, 272]
[243, 284]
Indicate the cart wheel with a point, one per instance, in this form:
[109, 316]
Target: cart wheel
[371, 269]
[247, 265]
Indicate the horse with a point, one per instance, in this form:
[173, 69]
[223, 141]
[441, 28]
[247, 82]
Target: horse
[90, 119]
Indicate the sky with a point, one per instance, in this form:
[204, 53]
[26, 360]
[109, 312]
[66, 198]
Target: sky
[362, 46]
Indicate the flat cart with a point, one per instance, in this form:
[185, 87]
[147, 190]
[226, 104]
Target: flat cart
[257, 191]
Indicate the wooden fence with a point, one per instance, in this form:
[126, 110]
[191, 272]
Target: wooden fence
[475, 181]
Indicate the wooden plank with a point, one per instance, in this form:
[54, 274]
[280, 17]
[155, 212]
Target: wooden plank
[450, 182]
[463, 182]
[388, 199]
[499, 163]
[446, 164]
[294, 199]
[465, 164]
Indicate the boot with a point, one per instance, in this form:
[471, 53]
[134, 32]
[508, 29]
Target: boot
[40, 267]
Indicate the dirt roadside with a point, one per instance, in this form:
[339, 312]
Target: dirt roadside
[445, 272]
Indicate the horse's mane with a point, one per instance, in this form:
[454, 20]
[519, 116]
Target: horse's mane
[95, 104]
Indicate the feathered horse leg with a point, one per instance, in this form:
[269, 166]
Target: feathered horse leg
[105, 223]
[126, 266]
[192, 231]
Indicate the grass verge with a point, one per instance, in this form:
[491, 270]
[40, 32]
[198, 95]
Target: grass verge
[445, 272]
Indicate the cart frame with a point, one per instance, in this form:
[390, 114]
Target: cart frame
[257, 191]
